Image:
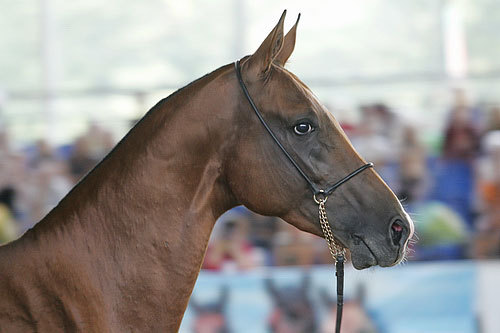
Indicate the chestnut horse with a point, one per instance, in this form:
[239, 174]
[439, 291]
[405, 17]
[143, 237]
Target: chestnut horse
[122, 251]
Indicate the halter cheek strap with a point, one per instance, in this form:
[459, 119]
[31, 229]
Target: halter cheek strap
[320, 196]
[314, 188]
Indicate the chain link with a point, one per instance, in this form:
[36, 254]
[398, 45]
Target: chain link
[336, 249]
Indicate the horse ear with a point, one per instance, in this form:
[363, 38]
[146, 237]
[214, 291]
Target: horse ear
[260, 62]
[288, 45]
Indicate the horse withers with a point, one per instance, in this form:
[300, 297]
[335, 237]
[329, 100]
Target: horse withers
[122, 251]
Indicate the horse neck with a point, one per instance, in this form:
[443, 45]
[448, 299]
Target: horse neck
[154, 200]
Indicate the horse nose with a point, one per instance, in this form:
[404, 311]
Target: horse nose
[399, 232]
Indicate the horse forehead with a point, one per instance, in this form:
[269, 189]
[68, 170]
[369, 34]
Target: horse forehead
[289, 90]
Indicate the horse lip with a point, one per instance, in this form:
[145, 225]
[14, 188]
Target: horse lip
[368, 247]
[357, 239]
[381, 263]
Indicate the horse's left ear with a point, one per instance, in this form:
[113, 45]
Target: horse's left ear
[288, 45]
[260, 62]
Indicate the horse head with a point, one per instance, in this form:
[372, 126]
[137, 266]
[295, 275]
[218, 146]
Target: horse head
[365, 215]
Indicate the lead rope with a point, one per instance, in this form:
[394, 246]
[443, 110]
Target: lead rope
[338, 254]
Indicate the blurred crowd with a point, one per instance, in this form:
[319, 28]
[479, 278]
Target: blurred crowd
[451, 190]
[33, 180]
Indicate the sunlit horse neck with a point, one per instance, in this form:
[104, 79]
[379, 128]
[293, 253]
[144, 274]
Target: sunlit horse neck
[134, 231]
[122, 251]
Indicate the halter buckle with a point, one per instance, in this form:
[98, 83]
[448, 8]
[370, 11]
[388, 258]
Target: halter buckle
[321, 199]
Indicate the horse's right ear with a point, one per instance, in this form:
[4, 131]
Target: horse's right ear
[288, 45]
[260, 62]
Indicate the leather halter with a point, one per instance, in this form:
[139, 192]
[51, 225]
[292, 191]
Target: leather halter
[319, 196]
[315, 189]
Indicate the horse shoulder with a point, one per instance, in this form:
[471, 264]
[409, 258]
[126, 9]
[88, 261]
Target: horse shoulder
[45, 292]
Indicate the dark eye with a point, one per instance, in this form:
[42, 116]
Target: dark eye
[303, 128]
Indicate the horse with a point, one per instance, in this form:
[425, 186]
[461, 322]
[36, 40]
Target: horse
[122, 250]
[293, 309]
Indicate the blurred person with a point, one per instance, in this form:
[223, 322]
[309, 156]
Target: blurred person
[80, 160]
[8, 227]
[11, 167]
[487, 238]
[386, 123]
[43, 152]
[461, 134]
[374, 137]
[412, 167]
[88, 150]
[50, 183]
[231, 249]
[211, 317]
[41, 180]
[99, 141]
[6, 160]
[355, 317]
[294, 247]
[262, 233]
[293, 310]
[461, 137]
[454, 176]
[21, 177]
[4, 143]
[493, 121]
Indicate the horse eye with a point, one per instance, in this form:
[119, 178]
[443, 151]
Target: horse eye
[303, 128]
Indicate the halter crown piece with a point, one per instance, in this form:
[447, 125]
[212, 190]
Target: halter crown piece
[320, 196]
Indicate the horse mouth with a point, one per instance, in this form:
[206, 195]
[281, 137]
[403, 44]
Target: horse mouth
[362, 255]
[365, 255]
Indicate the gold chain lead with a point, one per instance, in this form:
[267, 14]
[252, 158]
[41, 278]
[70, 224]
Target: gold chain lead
[335, 248]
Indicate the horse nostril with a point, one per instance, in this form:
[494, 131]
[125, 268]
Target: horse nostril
[396, 232]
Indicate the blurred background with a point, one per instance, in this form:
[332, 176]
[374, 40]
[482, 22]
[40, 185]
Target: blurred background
[415, 85]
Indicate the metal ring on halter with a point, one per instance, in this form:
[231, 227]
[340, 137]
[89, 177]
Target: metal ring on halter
[318, 201]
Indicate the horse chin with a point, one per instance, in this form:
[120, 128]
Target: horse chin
[362, 257]
[365, 255]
